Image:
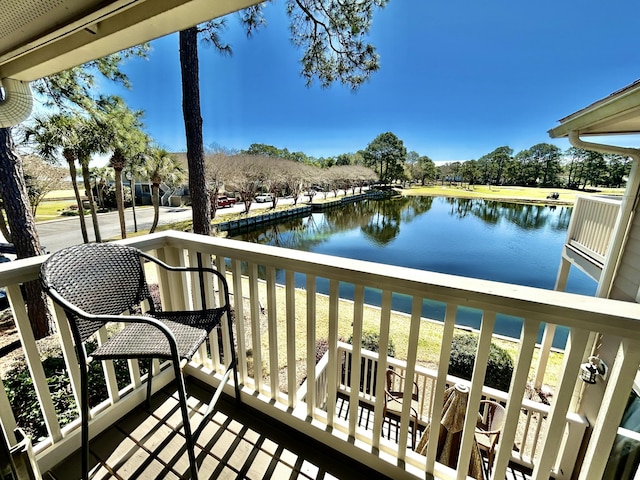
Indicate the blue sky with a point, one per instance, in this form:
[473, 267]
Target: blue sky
[457, 79]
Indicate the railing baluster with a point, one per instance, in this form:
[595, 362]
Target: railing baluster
[356, 358]
[6, 417]
[475, 394]
[214, 340]
[528, 338]
[108, 369]
[68, 349]
[32, 358]
[292, 384]
[572, 358]
[238, 302]
[272, 322]
[412, 349]
[256, 353]
[441, 380]
[335, 358]
[525, 434]
[534, 446]
[311, 344]
[381, 380]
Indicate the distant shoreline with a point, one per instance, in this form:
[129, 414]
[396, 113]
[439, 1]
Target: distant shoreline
[512, 194]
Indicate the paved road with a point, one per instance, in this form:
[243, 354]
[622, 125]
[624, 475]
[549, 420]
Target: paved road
[64, 232]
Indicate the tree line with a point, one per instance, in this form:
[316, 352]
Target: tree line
[542, 165]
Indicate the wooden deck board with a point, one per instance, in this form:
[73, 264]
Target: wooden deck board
[238, 443]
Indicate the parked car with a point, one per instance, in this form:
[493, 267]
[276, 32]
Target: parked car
[264, 197]
[224, 201]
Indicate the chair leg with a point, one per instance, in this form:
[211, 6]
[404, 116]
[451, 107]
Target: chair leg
[84, 420]
[149, 381]
[182, 396]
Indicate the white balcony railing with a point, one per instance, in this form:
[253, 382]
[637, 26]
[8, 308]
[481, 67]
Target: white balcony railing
[591, 226]
[277, 343]
[531, 423]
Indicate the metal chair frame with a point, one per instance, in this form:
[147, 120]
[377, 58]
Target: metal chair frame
[490, 422]
[397, 397]
[85, 320]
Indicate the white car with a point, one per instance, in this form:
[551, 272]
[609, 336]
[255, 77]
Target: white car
[264, 197]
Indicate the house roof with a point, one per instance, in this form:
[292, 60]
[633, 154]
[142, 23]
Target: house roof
[42, 37]
[618, 113]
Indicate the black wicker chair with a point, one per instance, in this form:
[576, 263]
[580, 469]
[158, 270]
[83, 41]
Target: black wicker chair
[96, 284]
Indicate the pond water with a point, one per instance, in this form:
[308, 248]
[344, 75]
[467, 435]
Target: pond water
[505, 242]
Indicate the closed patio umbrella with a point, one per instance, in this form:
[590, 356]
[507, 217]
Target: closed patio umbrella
[450, 432]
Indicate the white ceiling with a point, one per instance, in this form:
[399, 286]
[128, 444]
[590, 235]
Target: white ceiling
[42, 37]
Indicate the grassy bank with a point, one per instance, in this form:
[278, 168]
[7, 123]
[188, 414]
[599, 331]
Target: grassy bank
[510, 193]
[429, 339]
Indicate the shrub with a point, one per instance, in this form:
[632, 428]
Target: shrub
[24, 402]
[368, 369]
[371, 341]
[463, 355]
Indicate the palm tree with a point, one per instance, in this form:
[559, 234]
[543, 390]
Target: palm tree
[92, 140]
[162, 167]
[52, 133]
[136, 168]
[100, 177]
[126, 140]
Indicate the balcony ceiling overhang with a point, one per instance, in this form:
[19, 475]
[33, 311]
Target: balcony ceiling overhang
[43, 37]
[617, 114]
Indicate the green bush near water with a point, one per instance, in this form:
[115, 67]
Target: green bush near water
[463, 356]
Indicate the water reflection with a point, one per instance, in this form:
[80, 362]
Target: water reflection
[511, 243]
[525, 216]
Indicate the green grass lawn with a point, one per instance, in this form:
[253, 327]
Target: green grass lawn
[50, 210]
[429, 341]
[508, 193]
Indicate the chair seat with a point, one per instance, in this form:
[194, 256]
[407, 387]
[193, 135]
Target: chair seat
[483, 440]
[395, 408]
[141, 340]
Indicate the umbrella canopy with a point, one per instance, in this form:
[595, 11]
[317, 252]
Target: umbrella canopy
[450, 432]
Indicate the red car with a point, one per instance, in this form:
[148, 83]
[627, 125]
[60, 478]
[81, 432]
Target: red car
[223, 202]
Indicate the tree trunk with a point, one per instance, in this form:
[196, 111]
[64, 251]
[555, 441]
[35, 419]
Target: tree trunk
[155, 199]
[132, 187]
[86, 176]
[74, 181]
[193, 128]
[120, 202]
[4, 229]
[23, 230]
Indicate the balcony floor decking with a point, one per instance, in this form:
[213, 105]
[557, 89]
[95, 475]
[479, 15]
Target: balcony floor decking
[239, 442]
[390, 431]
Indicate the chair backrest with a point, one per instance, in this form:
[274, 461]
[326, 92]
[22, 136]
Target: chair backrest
[493, 416]
[395, 385]
[96, 279]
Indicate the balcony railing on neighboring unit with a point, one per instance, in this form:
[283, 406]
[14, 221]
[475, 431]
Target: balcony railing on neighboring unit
[589, 234]
[531, 423]
[286, 300]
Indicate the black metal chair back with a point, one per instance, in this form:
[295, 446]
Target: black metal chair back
[102, 279]
[97, 284]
